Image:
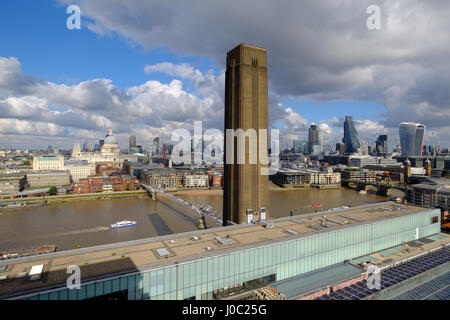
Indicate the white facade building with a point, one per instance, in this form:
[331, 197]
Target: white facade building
[196, 181]
[53, 163]
[79, 169]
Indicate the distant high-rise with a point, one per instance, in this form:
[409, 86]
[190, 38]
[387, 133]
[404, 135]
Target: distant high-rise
[350, 136]
[382, 144]
[340, 148]
[246, 107]
[132, 142]
[300, 146]
[411, 138]
[363, 148]
[156, 146]
[86, 147]
[315, 139]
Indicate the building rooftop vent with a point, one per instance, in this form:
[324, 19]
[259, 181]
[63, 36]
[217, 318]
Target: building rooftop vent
[162, 252]
[337, 221]
[225, 241]
[36, 272]
[349, 217]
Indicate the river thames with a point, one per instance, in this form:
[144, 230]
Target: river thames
[86, 223]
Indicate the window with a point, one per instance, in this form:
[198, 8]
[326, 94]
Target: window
[435, 219]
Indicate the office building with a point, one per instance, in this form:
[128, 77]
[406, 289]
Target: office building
[48, 178]
[246, 107]
[164, 178]
[79, 169]
[381, 145]
[86, 147]
[132, 142]
[340, 148]
[411, 138]
[290, 178]
[350, 136]
[155, 148]
[315, 140]
[12, 183]
[300, 146]
[358, 175]
[196, 181]
[48, 162]
[361, 161]
[106, 183]
[363, 148]
[430, 195]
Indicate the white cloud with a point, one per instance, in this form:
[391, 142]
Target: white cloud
[320, 51]
[87, 109]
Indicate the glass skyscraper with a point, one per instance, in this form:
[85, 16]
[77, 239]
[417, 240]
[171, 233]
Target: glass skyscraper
[300, 146]
[315, 140]
[132, 142]
[382, 144]
[350, 136]
[411, 138]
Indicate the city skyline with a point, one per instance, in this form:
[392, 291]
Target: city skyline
[146, 85]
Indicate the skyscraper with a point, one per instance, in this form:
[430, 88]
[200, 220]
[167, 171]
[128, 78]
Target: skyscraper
[340, 148]
[382, 144]
[132, 142]
[350, 136]
[363, 148]
[156, 146]
[411, 138]
[315, 139]
[86, 147]
[246, 107]
[300, 146]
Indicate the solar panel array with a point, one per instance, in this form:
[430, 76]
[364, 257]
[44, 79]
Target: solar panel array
[436, 289]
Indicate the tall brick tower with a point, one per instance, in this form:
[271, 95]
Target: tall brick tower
[246, 107]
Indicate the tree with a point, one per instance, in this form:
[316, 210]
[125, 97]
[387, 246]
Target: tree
[53, 191]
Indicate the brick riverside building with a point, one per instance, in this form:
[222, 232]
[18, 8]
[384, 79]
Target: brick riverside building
[101, 183]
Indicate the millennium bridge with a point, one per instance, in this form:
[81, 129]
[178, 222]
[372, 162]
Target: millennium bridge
[201, 209]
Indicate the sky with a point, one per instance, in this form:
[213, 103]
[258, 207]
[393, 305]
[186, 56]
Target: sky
[150, 67]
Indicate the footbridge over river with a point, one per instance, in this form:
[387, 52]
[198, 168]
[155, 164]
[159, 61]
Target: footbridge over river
[202, 210]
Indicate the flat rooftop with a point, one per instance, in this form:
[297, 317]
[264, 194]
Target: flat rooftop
[132, 256]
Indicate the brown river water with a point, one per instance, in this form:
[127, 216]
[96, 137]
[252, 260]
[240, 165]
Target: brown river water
[86, 223]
